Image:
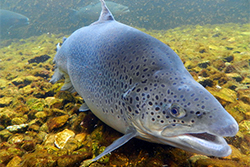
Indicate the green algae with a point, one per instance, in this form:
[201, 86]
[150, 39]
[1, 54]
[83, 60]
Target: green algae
[216, 55]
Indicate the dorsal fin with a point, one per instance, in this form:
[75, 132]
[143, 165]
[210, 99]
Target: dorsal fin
[105, 14]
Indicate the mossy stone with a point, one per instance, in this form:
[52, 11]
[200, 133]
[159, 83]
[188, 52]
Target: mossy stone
[57, 122]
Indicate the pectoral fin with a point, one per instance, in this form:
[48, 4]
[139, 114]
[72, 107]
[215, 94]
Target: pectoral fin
[118, 143]
[84, 107]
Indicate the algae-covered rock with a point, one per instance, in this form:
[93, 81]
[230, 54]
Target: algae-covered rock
[39, 59]
[14, 162]
[41, 136]
[5, 134]
[81, 137]
[17, 128]
[197, 157]
[237, 77]
[19, 120]
[3, 83]
[28, 89]
[5, 101]
[204, 64]
[41, 115]
[54, 102]
[224, 95]
[24, 80]
[71, 160]
[40, 158]
[18, 138]
[35, 104]
[57, 122]
[61, 138]
[244, 126]
[29, 145]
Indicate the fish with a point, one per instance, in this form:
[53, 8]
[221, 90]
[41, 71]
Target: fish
[92, 11]
[9, 20]
[139, 86]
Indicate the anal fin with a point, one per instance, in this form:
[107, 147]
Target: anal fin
[67, 84]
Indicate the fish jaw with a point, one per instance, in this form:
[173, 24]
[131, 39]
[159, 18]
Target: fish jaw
[202, 143]
[125, 10]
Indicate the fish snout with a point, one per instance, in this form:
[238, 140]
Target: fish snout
[228, 130]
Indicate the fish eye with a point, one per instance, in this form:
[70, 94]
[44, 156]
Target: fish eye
[177, 111]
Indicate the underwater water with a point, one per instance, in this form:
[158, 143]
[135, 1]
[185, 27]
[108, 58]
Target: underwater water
[41, 125]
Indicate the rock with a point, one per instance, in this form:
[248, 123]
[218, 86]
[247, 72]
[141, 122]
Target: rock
[246, 81]
[197, 157]
[81, 137]
[57, 122]
[39, 158]
[41, 115]
[19, 120]
[214, 163]
[247, 115]
[5, 156]
[42, 73]
[229, 58]
[6, 115]
[3, 83]
[224, 95]
[219, 64]
[5, 101]
[17, 128]
[230, 68]
[206, 82]
[58, 112]
[204, 64]
[245, 147]
[5, 134]
[236, 110]
[24, 80]
[15, 139]
[29, 145]
[54, 102]
[39, 59]
[71, 160]
[66, 96]
[71, 145]
[41, 136]
[61, 138]
[244, 126]
[14, 162]
[34, 127]
[2, 127]
[237, 77]
[35, 104]
[189, 64]
[28, 89]
[44, 127]
[243, 95]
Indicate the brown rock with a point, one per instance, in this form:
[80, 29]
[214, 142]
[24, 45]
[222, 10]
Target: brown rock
[14, 162]
[57, 122]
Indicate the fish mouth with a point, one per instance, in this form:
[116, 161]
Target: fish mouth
[126, 10]
[203, 143]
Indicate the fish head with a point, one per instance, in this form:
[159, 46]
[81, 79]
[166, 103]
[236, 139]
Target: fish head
[20, 21]
[172, 108]
[12, 20]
